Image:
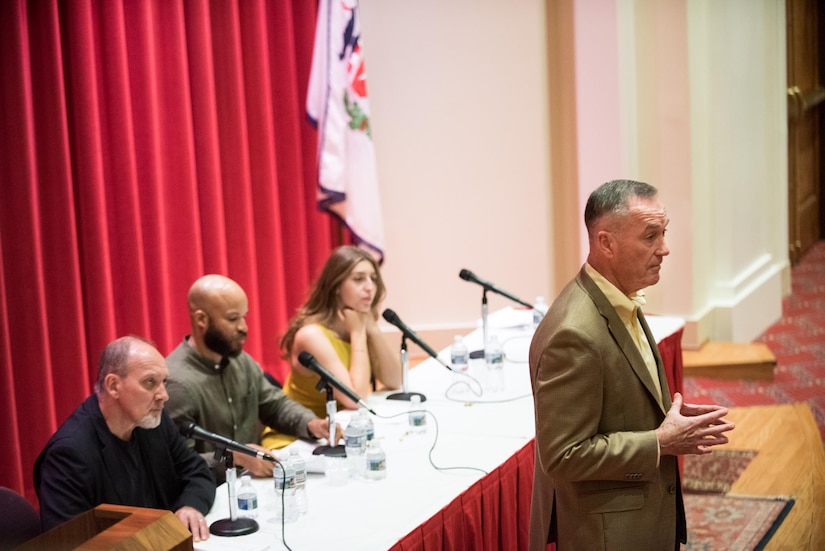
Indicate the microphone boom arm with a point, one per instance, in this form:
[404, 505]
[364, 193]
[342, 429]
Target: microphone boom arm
[467, 275]
[308, 360]
[393, 318]
[221, 443]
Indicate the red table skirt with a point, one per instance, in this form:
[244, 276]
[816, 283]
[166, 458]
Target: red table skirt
[492, 514]
[670, 348]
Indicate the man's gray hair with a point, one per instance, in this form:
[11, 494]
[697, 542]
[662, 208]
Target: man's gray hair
[115, 359]
[612, 198]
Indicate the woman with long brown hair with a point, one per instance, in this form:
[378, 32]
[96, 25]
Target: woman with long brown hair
[338, 325]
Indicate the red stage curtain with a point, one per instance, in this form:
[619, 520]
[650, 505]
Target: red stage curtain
[144, 143]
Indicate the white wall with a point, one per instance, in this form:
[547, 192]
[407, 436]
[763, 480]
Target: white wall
[691, 96]
[458, 98]
[739, 128]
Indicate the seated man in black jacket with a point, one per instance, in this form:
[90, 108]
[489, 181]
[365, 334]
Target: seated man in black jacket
[121, 447]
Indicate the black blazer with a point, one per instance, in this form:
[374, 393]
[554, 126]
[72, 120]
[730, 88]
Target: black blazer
[83, 465]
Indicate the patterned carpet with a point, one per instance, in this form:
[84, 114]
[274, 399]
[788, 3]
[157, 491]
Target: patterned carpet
[732, 523]
[798, 342]
[715, 472]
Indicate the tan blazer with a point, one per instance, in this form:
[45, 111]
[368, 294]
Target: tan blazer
[596, 483]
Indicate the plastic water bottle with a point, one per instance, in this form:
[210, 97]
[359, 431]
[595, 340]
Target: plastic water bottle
[355, 444]
[417, 416]
[539, 309]
[299, 465]
[376, 461]
[247, 498]
[284, 476]
[366, 421]
[459, 355]
[494, 357]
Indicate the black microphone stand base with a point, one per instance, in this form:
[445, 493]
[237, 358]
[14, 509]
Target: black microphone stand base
[330, 451]
[238, 527]
[406, 396]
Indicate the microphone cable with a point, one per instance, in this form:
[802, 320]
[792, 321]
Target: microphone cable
[435, 440]
[283, 505]
[473, 402]
[466, 384]
[512, 338]
[480, 392]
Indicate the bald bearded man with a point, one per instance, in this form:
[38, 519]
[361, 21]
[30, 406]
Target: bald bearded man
[218, 386]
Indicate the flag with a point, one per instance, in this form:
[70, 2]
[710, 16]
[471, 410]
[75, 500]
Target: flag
[338, 107]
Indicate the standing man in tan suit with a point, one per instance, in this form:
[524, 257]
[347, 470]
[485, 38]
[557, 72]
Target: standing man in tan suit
[607, 433]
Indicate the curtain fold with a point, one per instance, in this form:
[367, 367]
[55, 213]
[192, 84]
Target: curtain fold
[143, 144]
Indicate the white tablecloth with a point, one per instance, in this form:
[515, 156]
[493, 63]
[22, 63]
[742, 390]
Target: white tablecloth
[476, 432]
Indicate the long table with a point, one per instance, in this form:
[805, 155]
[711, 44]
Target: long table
[464, 484]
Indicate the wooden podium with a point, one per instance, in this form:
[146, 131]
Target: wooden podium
[116, 527]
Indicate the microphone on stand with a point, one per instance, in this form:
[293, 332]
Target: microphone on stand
[393, 318]
[467, 275]
[234, 525]
[326, 383]
[191, 430]
[308, 360]
[407, 333]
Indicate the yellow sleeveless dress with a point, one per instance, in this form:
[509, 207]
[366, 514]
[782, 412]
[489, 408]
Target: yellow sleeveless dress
[301, 388]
